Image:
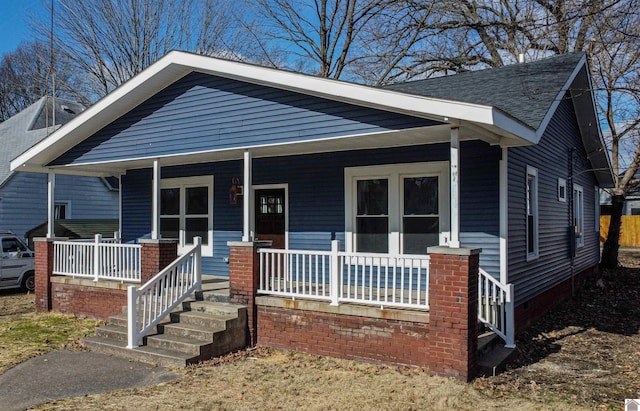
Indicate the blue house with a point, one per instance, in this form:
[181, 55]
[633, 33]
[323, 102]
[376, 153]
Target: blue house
[23, 196]
[507, 160]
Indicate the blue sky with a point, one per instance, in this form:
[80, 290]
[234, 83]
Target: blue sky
[14, 20]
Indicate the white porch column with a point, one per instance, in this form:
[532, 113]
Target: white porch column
[155, 225]
[51, 204]
[504, 217]
[454, 242]
[248, 198]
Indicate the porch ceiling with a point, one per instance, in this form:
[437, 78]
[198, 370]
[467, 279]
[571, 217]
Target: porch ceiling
[416, 136]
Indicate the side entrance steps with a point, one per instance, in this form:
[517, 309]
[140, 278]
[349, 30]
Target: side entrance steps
[205, 327]
[493, 356]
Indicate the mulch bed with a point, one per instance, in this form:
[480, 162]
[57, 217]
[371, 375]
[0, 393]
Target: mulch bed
[587, 349]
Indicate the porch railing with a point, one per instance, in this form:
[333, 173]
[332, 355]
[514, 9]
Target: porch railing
[152, 302]
[495, 307]
[100, 259]
[336, 276]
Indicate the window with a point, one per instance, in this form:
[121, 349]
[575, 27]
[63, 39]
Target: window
[400, 208]
[12, 245]
[61, 211]
[578, 214]
[186, 211]
[532, 213]
[562, 190]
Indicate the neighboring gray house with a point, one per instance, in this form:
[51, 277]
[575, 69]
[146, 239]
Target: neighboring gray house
[23, 196]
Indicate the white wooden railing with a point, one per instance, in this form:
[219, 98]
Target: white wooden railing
[152, 302]
[100, 259]
[336, 276]
[495, 307]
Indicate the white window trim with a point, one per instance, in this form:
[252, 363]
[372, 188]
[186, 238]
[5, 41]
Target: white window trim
[532, 171]
[186, 182]
[394, 173]
[578, 213]
[67, 208]
[562, 194]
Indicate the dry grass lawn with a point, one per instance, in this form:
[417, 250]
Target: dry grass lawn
[584, 355]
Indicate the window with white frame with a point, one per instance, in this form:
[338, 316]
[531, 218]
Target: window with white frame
[532, 213]
[186, 211]
[578, 214]
[396, 209]
[62, 210]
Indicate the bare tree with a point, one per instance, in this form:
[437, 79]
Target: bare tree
[324, 35]
[24, 78]
[113, 40]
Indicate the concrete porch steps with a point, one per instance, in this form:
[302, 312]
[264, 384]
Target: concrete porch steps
[493, 357]
[204, 327]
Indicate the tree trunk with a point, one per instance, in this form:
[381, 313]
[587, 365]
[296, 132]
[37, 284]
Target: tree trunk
[612, 244]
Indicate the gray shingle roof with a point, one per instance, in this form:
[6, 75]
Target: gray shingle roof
[525, 91]
[27, 128]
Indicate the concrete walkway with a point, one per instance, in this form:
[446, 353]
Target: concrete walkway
[64, 374]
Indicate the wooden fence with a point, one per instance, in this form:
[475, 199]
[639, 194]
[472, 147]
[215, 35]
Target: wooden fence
[629, 232]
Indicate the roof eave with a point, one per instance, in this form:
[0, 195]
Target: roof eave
[176, 65]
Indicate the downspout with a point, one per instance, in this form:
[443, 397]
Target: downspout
[247, 235]
[51, 205]
[504, 215]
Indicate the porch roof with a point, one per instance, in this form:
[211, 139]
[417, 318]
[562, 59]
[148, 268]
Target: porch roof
[475, 121]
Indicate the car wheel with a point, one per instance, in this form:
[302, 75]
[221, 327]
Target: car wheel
[29, 282]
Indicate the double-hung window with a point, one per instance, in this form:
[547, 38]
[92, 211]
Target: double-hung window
[396, 209]
[186, 211]
[578, 214]
[532, 213]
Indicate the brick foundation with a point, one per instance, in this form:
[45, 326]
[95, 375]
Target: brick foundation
[453, 301]
[382, 336]
[87, 298]
[530, 311]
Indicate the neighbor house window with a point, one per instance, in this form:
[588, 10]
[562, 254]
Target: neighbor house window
[578, 214]
[532, 213]
[186, 211]
[61, 211]
[396, 209]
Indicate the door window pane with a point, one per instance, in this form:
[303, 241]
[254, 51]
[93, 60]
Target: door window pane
[170, 201]
[197, 200]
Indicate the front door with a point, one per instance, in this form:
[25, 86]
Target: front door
[270, 216]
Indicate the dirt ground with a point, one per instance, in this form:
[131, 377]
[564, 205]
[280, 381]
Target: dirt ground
[584, 355]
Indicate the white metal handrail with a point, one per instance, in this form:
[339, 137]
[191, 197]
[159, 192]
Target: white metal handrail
[372, 279]
[495, 307]
[100, 259]
[152, 302]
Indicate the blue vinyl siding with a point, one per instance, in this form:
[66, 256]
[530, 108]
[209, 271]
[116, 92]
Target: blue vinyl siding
[205, 113]
[23, 204]
[560, 142]
[316, 196]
